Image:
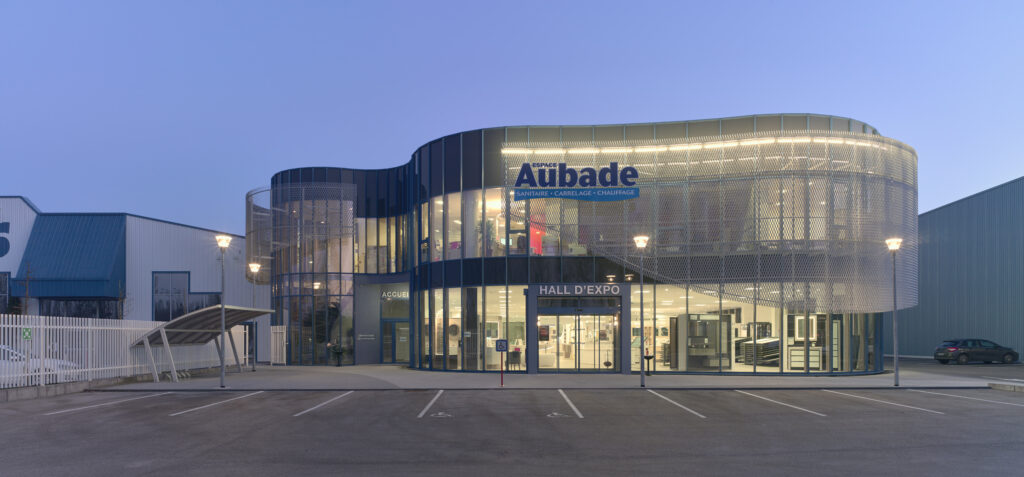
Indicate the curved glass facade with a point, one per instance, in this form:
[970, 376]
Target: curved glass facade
[766, 254]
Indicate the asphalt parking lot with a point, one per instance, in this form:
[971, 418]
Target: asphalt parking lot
[516, 431]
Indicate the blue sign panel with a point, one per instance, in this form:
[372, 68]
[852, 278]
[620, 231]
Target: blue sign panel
[501, 346]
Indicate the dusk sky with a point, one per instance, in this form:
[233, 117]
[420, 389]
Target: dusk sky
[175, 110]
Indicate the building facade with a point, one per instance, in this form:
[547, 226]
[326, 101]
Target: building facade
[118, 266]
[971, 273]
[766, 249]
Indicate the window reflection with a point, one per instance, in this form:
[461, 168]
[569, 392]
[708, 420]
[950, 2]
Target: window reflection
[494, 223]
[436, 229]
[472, 216]
[453, 207]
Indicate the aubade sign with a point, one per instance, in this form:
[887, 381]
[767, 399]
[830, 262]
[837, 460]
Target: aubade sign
[556, 180]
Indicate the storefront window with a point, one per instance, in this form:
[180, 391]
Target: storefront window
[544, 226]
[424, 234]
[436, 229]
[454, 330]
[494, 324]
[472, 329]
[494, 223]
[472, 216]
[393, 244]
[360, 247]
[371, 245]
[439, 334]
[517, 351]
[382, 245]
[424, 329]
[636, 353]
[453, 249]
[518, 241]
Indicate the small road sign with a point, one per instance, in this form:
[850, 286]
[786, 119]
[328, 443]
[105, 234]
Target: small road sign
[26, 333]
[501, 346]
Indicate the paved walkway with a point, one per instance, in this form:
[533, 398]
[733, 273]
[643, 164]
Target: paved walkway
[398, 377]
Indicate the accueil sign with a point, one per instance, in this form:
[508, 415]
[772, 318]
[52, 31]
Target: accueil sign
[556, 180]
[394, 295]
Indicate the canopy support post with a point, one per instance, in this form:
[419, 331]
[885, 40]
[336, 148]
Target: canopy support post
[170, 357]
[234, 351]
[152, 362]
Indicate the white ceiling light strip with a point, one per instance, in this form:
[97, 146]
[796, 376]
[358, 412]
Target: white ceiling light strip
[513, 151]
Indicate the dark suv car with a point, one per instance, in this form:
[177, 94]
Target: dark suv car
[967, 350]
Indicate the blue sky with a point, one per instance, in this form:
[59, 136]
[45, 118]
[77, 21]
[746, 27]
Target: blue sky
[176, 109]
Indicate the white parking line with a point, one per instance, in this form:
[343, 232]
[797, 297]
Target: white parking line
[214, 404]
[431, 403]
[884, 402]
[318, 406]
[782, 403]
[573, 406]
[965, 397]
[104, 404]
[691, 411]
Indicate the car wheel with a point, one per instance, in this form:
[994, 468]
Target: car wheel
[1008, 358]
[962, 359]
[944, 361]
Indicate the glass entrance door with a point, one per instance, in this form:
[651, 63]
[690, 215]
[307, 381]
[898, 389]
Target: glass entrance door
[578, 342]
[402, 342]
[394, 343]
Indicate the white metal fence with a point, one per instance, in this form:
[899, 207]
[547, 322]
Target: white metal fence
[41, 350]
[278, 344]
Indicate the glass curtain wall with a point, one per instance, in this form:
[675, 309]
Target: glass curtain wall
[312, 270]
[736, 225]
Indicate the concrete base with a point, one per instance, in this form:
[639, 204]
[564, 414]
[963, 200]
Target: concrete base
[1017, 388]
[50, 390]
[57, 389]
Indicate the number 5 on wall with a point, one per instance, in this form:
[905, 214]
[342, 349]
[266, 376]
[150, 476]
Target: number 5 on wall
[5, 245]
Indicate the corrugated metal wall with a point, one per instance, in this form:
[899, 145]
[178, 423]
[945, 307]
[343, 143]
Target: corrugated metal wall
[155, 246]
[971, 267]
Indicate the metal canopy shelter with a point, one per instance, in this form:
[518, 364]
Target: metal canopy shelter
[197, 327]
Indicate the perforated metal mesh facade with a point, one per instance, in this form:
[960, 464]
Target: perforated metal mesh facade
[304, 238]
[802, 214]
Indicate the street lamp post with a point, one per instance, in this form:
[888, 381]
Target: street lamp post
[223, 242]
[641, 244]
[255, 269]
[894, 245]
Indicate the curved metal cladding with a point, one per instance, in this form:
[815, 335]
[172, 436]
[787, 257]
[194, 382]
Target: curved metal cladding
[804, 214]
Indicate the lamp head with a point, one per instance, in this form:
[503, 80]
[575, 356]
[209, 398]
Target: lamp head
[223, 241]
[641, 241]
[893, 243]
[254, 268]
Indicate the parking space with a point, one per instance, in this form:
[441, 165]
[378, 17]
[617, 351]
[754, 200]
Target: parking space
[119, 431]
[521, 404]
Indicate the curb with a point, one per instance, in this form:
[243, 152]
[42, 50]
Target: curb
[1017, 388]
